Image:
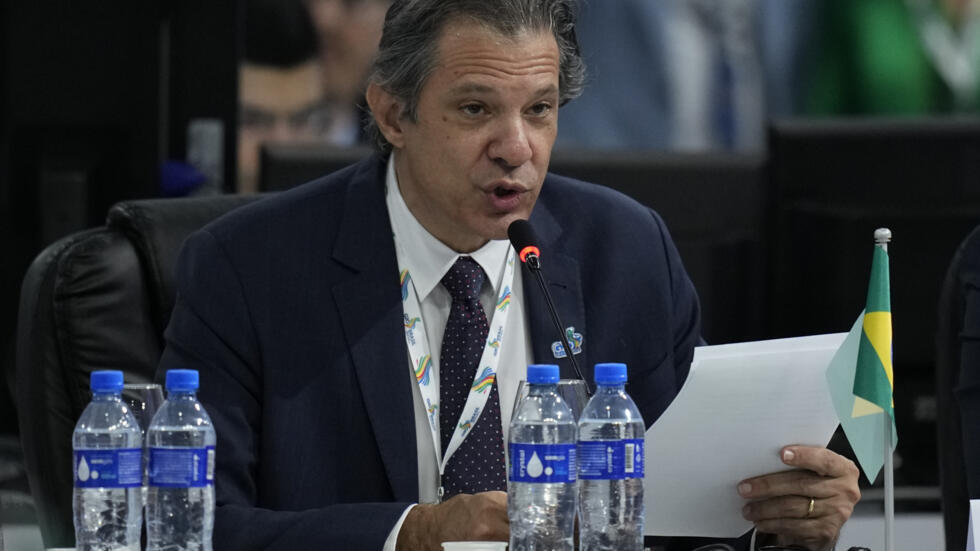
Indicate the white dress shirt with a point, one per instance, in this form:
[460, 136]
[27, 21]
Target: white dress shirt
[428, 260]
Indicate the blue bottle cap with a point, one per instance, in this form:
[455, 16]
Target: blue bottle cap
[106, 381]
[542, 374]
[182, 380]
[610, 374]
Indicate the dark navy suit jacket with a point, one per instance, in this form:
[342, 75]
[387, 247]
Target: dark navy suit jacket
[291, 311]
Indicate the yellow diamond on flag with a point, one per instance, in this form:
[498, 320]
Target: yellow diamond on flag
[863, 407]
[878, 328]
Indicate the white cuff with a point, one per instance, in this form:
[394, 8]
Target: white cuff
[393, 535]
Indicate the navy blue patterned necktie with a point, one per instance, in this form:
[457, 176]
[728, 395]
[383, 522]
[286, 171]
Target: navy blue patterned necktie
[478, 465]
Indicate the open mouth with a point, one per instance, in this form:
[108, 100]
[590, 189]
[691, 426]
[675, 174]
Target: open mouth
[501, 191]
[505, 196]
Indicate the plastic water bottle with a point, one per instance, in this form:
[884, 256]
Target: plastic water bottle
[108, 455]
[181, 439]
[610, 466]
[541, 490]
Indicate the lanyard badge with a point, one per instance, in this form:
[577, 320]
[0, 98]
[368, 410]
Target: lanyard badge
[485, 375]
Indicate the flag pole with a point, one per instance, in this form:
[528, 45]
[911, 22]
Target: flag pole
[882, 237]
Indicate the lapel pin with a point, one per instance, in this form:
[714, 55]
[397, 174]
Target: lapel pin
[574, 339]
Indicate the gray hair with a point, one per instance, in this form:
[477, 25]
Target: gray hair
[407, 53]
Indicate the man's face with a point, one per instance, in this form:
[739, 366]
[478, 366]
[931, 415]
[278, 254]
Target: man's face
[487, 118]
[276, 105]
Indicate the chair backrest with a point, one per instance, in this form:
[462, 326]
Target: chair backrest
[958, 389]
[97, 299]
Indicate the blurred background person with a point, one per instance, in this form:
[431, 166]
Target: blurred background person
[624, 103]
[281, 93]
[716, 86]
[788, 28]
[348, 32]
[688, 75]
[897, 57]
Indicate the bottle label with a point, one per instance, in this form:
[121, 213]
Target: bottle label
[542, 462]
[610, 459]
[119, 468]
[182, 467]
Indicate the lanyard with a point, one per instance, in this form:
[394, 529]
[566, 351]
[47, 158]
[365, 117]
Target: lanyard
[421, 359]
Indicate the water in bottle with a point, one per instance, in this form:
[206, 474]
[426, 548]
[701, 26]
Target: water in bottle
[107, 457]
[610, 466]
[541, 491]
[181, 440]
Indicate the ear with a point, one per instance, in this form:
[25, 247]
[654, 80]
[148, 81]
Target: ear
[387, 113]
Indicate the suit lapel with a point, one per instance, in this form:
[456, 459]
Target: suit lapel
[561, 272]
[370, 308]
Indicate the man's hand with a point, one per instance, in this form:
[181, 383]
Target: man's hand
[477, 517]
[780, 503]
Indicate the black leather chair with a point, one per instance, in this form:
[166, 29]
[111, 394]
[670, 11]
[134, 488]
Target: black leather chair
[97, 299]
[958, 389]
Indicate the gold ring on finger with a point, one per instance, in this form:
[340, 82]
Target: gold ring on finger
[809, 510]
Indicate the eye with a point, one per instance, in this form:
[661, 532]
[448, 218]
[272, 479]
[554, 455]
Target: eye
[540, 109]
[256, 119]
[472, 109]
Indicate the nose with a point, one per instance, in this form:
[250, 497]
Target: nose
[511, 146]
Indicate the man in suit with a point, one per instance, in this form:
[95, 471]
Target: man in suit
[334, 324]
[958, 389]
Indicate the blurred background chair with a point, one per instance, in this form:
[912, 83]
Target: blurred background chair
[958, 389]
[96, 299]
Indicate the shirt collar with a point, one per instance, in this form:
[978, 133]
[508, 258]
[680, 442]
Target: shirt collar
[427, 258]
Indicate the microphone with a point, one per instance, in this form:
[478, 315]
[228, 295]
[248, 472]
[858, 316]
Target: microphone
[522, 236]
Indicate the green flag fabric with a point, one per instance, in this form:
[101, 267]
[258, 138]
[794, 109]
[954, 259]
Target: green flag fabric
[860, 375]
[873, 378]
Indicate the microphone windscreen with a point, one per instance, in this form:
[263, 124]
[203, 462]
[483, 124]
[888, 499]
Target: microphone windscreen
[521, 234]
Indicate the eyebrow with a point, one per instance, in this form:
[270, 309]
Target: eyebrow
[472, 88]
[475, 88]
[549, 89]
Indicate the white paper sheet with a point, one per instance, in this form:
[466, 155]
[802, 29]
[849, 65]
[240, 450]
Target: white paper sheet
[740, 405]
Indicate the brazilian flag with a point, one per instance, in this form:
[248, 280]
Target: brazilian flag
[873, 379]
[860, 375]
